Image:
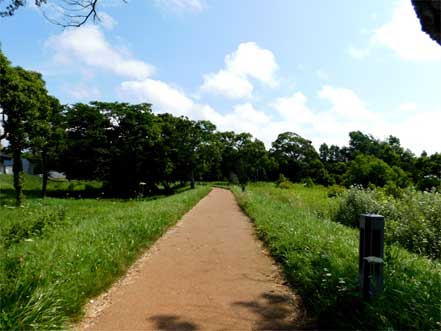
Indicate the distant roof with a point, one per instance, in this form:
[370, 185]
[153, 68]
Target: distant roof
[5, 156]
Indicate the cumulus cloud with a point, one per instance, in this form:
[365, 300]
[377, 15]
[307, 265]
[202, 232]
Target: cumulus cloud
[88, 45]
[163, 97]
[228, 84]
[343, 111]
[294, 108]
[408, 107]
[402, 35]
[419, 131]
[248, 61]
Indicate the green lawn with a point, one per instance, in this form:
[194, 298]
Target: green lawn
[57, 253]
[320, 260]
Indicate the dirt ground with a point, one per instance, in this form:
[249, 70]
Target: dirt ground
[207, 273]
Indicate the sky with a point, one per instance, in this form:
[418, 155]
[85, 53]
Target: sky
[317, 68]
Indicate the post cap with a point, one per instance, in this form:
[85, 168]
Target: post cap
[373, 260]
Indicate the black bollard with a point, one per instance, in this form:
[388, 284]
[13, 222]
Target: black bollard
[371, 255]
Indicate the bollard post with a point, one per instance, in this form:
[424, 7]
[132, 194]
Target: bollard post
[371, 255]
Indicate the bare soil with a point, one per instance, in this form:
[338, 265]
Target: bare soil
[207, 273]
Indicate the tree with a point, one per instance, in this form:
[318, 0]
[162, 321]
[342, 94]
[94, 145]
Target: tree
[132, 138]
[296, 157]
[21, 94]
[367, 169]
[47, 136]
[87, 142]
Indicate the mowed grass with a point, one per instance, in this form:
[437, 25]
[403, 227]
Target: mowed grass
[57, 253]
[320, 260]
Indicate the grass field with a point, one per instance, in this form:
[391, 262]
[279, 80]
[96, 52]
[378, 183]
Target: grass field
[320, 260]
[57, 253]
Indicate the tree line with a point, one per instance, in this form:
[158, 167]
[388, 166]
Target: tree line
[134, 151]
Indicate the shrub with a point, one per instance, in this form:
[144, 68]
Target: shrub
[283, 182]
[308, 182]
[413, 220]
[335, 191]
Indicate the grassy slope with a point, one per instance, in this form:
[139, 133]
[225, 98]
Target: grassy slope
[320, 259]
[73, 250]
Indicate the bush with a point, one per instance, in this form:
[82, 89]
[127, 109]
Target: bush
[335, 191]
[413, 220]
[283, 182]
[308, 182]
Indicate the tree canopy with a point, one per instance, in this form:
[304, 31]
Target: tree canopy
[134, 151]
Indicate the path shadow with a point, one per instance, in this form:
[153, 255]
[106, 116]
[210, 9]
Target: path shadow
[277, 312]
[172, 322]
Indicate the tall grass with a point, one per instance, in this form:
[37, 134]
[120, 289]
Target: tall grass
[320, 260]
[57, 253]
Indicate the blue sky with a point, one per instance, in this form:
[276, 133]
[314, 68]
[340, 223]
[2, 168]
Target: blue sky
[317, 68]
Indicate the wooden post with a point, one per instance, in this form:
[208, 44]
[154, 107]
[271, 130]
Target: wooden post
[371, 255]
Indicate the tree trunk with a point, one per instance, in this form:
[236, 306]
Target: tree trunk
[45, 172]
[192, 184]
[17, 169]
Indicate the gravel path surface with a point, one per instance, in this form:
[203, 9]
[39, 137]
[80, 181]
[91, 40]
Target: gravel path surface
[207, 273]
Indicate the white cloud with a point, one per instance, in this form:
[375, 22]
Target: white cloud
[165, 99]
[179, 5]
[294, 108]
[345, 111]
[229, 84]
[408, 107]
[244, 118]
[251, 60]
[403, 35]
[107, 21]
[248, 61]
[88, 45]
[419, 131]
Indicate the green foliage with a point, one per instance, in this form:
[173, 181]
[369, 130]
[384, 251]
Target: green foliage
[320, 260]
[308, 182]
[296, 157]
[77, 249]
[368, 170]
[335, 191]
[27, 224]
[22, 94]
[412, 220]
[283, 182]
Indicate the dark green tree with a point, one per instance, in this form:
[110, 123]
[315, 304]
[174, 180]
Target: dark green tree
[47, 137]
[132, 135]
[297, 158]
[87, 152]
[21, 95]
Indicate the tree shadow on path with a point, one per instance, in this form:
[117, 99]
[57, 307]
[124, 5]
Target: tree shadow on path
[172, 322]
[277, 312]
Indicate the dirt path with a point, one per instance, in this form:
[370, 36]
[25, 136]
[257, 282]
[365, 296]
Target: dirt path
[209, 272]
